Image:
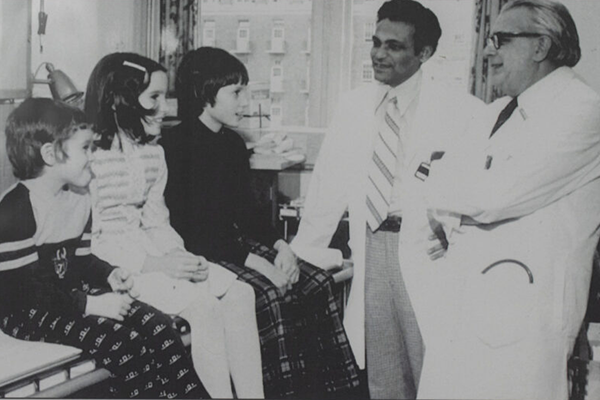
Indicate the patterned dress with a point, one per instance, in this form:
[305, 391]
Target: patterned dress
[47, 272]
[305, 350]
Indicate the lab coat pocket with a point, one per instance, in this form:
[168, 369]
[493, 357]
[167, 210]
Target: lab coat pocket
[500, 302]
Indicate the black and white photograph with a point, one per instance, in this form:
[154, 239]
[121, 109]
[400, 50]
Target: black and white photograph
[300, 199]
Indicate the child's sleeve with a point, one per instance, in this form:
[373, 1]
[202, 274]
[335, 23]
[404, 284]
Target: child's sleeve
[155, 214]
[21, 283]
[93, 270]
[175, 193]
[251, 222]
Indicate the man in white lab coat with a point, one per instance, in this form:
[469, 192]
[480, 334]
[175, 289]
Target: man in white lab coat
[401, 122]
[519, 201]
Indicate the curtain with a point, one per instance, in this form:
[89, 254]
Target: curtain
[330, 60]
[486, 12]
[179, 29]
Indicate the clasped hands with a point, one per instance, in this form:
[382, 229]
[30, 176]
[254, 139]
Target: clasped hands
[283, 272]
[115, 304]
[178, 264]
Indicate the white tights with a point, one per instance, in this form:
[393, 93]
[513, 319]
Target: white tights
[225, 342]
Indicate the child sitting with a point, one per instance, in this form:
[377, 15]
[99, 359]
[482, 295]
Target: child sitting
[53, 288]
[126, 100]
[305, 348]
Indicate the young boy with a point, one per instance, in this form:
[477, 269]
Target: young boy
[53, 288]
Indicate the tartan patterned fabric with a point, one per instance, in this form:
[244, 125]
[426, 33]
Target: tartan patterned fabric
[305, 350]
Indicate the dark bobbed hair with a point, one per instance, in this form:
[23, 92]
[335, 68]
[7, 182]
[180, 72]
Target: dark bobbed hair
[553, 19]
[201, 74]
[111, 100]
[423, 20]
[34, 123]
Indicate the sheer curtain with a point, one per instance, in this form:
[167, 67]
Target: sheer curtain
[331, 28]
[486, 12]
[177, 24]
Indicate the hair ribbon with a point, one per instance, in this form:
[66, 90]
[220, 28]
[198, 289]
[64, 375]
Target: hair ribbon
[134, 65]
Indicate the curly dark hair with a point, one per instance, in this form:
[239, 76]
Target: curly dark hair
[423, 20]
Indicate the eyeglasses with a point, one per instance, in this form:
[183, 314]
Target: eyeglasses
[499, 38]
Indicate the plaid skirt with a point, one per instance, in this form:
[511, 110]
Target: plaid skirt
[305, 350]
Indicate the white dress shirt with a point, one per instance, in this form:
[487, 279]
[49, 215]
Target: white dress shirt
[408, 99]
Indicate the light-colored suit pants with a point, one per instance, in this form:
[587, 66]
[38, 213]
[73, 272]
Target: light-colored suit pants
[394, 346]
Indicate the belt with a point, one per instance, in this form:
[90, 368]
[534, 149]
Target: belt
[391, 224]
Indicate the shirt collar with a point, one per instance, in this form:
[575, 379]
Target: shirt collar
[405, 93]
[545, 89]
[42, 189]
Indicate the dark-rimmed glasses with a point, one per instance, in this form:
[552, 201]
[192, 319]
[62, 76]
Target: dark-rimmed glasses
[499, 38]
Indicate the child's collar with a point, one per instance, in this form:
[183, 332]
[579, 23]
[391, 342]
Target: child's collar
[208, 126]
[44, 186]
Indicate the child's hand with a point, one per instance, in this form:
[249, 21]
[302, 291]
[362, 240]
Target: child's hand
[286, 260]
[180, 264]
[278, 278]
[270, 271]
[109, 305]
[121, 281]
[201, 273]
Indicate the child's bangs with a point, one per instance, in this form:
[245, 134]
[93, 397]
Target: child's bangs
[66, 134]
[235, 78]
[74, 128]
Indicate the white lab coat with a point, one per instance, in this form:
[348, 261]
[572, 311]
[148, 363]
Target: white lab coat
[340, 175]
[507, 333]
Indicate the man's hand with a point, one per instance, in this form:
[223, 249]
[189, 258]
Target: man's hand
[286, 261]
[438, 243]
[121, 281]
[109, 305]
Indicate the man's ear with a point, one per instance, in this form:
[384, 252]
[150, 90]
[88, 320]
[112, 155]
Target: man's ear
[48, 154]
[425, 54]
[543, 45]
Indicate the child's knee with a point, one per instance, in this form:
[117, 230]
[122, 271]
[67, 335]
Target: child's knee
[241, 292]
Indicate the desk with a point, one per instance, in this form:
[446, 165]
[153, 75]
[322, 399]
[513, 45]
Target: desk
[270, 162]
[265, 169]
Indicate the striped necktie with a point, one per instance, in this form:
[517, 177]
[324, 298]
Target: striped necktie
[383, 166]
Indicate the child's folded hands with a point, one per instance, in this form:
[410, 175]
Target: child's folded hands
[179, 264]
[110, 305]
[121, 281]
[201, 273]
